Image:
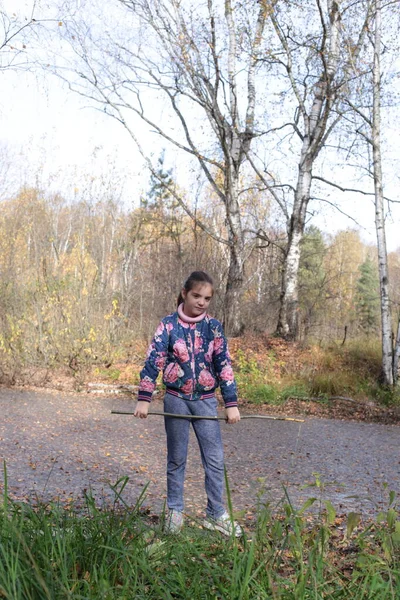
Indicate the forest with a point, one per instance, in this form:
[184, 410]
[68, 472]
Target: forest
[85, 284]
[272, 124]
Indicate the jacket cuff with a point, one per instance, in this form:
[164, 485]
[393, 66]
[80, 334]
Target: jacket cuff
[144, 396]
[231, 403]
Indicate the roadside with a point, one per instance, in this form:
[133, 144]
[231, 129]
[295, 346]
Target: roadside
[336, 407]
[273, 376]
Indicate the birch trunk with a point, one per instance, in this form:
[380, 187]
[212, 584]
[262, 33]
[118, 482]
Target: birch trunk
[288, 321]
[387, 348]
[233, 323]
[396, 357]
[315, 133]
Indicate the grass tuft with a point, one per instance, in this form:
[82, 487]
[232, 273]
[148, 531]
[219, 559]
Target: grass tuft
[52, 552]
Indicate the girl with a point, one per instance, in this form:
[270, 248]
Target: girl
[190, 348]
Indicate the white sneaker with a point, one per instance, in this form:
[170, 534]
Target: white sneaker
[174, 521]
[224, 524]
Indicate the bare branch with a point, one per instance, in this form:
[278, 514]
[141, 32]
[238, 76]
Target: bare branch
[359, 112]
[251, 87]
[268, 186]
[356, 191]
[339, 210]
[214, 53]
[262, 235]
[119, 117]
[232, 64]
[289, 65]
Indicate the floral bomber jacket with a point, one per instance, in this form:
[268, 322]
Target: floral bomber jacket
[194, 358]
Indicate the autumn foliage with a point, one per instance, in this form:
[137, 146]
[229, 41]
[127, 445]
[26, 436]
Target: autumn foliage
[85, 284]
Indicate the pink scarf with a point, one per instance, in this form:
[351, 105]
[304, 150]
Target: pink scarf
[189, 319]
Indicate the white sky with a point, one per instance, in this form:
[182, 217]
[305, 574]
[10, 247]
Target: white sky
[58, 135]
[56, 140]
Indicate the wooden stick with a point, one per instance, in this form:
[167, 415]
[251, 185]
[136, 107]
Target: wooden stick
[164, 414]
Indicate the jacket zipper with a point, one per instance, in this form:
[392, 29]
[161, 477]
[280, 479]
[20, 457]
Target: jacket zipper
[193, 338]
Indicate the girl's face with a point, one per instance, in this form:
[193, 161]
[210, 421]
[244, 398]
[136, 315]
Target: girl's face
[196, 300]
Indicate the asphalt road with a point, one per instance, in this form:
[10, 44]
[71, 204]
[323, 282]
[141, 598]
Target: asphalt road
[59, 446]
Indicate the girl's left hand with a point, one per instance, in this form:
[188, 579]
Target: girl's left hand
[141, 410]
[232, 415]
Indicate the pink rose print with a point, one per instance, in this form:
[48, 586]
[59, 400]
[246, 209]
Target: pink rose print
[183, 323]
[160, 361]
[169, 327]
[146, 385]
[198, 343]
[159, 330]
[206, 379]
[227, 374]
[172, 373]
[218, 345]
[187, 387]
[180, 350]
[209, 353]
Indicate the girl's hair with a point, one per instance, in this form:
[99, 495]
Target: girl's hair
[193, 279]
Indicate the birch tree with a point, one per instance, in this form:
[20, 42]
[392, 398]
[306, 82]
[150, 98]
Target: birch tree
[317, 61]
[368, 125]
[202, 61]
[387, 349]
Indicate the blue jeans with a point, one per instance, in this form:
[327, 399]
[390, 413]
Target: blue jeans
[208, 435]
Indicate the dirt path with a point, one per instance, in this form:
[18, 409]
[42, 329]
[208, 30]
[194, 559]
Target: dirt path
[57, 445]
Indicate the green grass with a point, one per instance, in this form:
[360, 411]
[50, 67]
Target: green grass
[316, 372]
[49, 552]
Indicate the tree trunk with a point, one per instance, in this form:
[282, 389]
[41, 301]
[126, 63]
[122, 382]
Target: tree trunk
[288, 320]
[289, 301]
[396, 357]
[233, 323]
[387, 347]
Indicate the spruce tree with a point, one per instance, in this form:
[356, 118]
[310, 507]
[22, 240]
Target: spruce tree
[312, 277]
[367, 297]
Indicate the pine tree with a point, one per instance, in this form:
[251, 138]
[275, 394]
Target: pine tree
[367, 297]
[163, 211]
[158, 195]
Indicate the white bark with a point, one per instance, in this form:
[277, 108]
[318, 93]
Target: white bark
[387, 349]
[315, 128]
[396, 357]
[288, 315]
[234, 286]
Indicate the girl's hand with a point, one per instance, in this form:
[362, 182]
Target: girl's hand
[232, 415]
[141, 410]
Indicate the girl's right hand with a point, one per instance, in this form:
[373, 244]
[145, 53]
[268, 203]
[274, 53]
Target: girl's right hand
[142, 409]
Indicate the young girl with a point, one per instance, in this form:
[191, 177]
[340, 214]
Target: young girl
[190, 348]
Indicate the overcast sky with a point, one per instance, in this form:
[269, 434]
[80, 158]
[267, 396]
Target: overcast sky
[56, 139]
